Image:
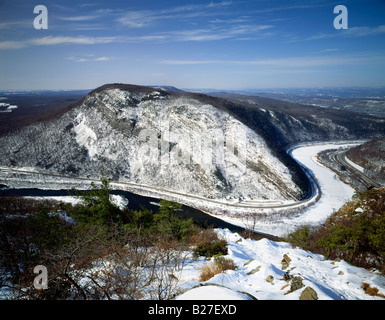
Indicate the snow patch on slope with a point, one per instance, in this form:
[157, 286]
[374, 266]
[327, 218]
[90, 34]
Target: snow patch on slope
[258, 260]
[85, 136]
[209, 152]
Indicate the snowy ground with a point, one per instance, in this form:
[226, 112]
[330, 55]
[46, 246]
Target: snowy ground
[118, 200]
[260, 260]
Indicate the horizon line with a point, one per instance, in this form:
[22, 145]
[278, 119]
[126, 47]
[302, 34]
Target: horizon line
[203, 88]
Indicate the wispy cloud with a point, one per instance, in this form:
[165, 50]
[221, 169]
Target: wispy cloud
[351, 33]
[9, 45]
[144, 18]
[79, 18]
[210, 34]
[102, 59]
[286, 63]
[277, 8]
[50, 40]
[88, 58]
[137, 19]
[216, 33]
[14, 24]
[91, 20]
[58, 40]
[219, 25]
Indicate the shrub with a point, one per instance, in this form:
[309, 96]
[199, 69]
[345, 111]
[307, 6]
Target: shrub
[356, 232]
[47, 229]
[300, 237]
[169, 224]
[371, 291]
[204, 235]
[219, 265]
[208, 271]
[225, 264]
[210, 249]
[96, 205]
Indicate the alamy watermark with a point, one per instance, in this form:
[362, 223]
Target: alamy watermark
[41, 281]
[41, 21]
[224, 147]
[341, 21]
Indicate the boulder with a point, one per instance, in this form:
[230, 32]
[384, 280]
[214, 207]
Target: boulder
[296, 283]
[254, 270]
[285, 261]
[287, 277]
[308, 294]
[248, 262]
[270, 279]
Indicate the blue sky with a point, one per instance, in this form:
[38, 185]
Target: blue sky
[229, 44]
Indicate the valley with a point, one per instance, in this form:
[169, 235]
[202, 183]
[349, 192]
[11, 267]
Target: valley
[276, 218]
[139, 135]
[271, 169]
[192, 150]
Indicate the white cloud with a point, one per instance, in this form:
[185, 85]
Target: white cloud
[102, 59]
[286, 63]
[14, 24]
[49, 40]
[137, 19]
[7, 45]
[351, 33]
[240, 32]
[211, 34]
[58, 40]
[79, 18]
[365, 31]
[144, 18]
[88, 58]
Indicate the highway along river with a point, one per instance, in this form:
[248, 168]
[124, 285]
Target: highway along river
[334, 194]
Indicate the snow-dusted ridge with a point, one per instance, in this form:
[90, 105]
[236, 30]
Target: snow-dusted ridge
[144, 136]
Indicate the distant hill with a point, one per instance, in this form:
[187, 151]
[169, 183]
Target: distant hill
[289, 123]
[35, 106]
[167, 88]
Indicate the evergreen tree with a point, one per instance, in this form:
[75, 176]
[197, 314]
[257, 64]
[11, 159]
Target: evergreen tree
[97, 206]
[169, 224]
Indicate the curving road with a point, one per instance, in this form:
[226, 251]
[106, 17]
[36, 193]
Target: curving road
[162, 192]
[340, 158]
[268, 204]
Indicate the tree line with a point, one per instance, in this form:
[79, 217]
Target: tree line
[97, 251]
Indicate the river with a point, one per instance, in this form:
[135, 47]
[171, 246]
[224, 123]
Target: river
[334, 193]
[135, 202]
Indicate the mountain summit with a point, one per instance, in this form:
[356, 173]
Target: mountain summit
[177, 141]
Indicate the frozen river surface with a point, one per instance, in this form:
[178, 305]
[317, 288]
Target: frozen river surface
[334, 193]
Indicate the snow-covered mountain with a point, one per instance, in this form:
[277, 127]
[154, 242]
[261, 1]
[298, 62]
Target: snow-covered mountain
[176, 141]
